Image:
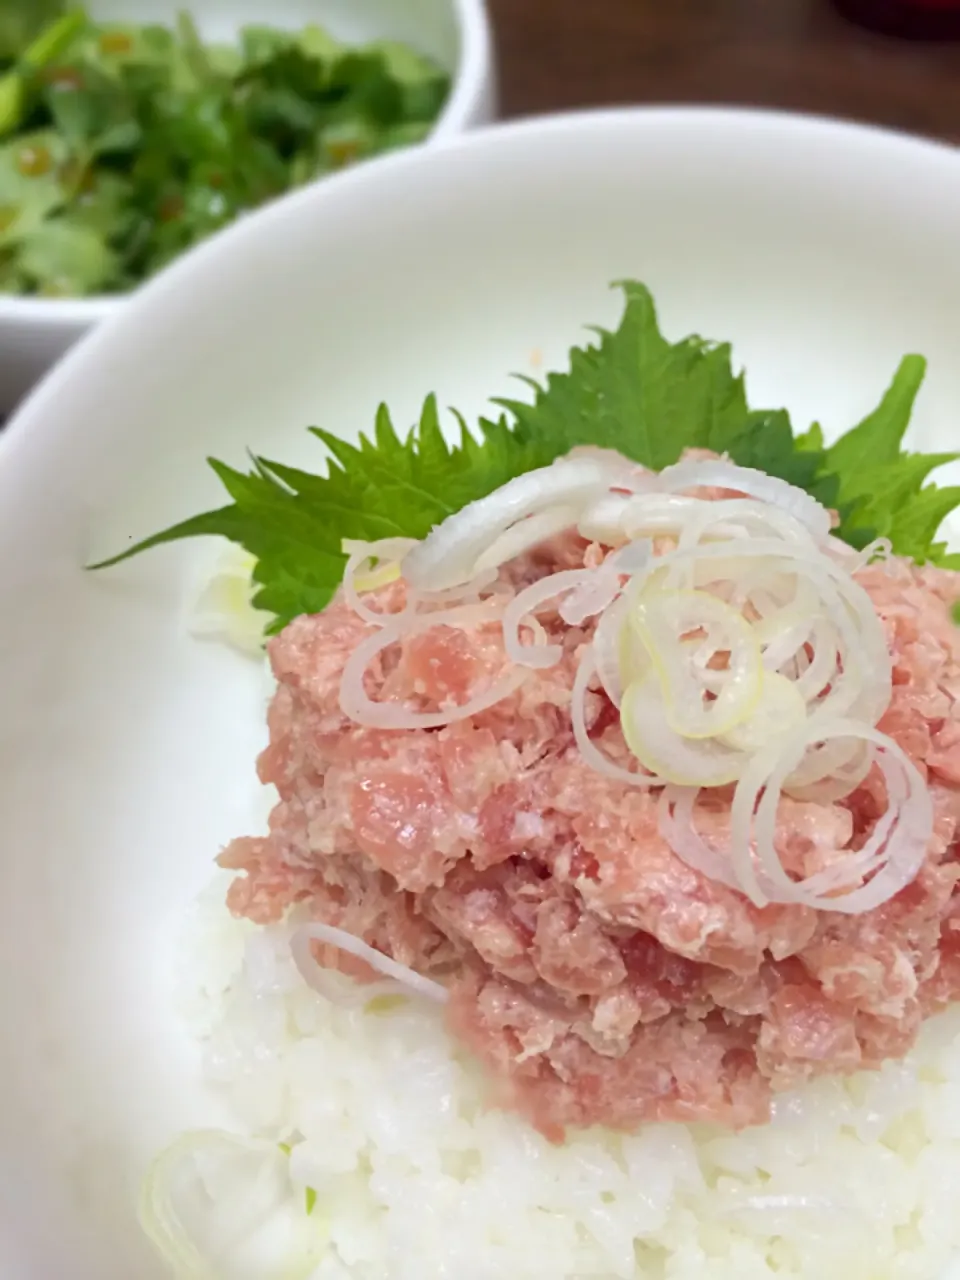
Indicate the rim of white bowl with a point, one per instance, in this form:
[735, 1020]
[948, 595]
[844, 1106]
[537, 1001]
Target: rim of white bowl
[474, 78]
[475, 75]
[683, 118]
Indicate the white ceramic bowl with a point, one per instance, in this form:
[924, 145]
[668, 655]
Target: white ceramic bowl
[823, 250]
[35, 332]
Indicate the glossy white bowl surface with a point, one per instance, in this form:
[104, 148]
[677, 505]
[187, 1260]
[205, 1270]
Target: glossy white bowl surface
[824, 251]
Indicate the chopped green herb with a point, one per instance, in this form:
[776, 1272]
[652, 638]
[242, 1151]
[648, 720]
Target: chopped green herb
[285, 1147]
[184, 135]
[632, 390]
[310, 1200]
[22, 21]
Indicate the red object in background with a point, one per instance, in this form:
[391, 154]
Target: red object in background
[916, 19]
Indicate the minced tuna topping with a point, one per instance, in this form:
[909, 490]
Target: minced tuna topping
[600, 978]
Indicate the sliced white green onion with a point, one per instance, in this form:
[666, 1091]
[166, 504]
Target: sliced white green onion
[357, 705]
[776, 493]
[371, 566]
[892, 855]
[225, 610]
[660, 620]
[218, 1206]
[405, 980]
[449, 554]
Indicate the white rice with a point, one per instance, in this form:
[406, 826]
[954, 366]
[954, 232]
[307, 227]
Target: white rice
[415, 1180]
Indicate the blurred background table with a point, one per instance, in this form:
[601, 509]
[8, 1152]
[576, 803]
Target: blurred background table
[799, 55]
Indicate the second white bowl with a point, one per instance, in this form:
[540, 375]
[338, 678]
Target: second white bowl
[36, 332]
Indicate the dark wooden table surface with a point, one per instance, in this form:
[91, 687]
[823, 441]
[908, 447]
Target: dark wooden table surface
[794, 54]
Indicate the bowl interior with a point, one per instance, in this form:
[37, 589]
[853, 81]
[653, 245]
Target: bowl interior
[825, 253]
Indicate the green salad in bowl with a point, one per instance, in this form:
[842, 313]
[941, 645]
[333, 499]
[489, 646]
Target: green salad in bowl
[122, 145]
